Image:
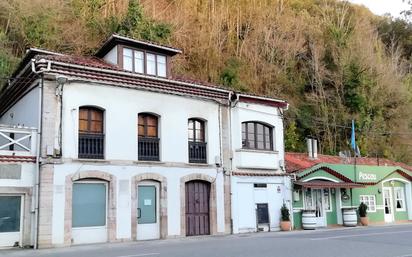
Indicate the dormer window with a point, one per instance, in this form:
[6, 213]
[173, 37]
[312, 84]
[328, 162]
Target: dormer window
[138, 56]
[134, 60]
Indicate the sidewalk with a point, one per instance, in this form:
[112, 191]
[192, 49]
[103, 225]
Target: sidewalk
[188, 240]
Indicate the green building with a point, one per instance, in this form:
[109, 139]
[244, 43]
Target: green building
[328, 188]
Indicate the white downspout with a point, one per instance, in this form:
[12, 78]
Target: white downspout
[38, 150]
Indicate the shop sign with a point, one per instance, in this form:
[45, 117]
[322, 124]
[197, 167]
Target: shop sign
[367, 176]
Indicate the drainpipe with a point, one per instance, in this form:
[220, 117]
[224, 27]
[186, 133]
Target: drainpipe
[61, 81]
[233, 98]
[38, 148]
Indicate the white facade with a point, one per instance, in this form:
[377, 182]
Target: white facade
[18, 147]
[256, 159]
[121, 153]
[245, 197]
[250, 187]
[90, 200]
[121, 107]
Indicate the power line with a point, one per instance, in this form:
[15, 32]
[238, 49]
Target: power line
[382, 133]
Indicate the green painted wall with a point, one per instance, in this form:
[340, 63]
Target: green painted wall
[399, 215]
[377, 216]
[297, 202]
[331, 217]
[297, 220]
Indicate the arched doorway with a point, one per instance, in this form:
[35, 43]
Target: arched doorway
[90, 215]
[148, 221]
[149, 211]
[197, 213]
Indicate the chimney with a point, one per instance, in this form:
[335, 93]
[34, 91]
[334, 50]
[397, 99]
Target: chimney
[312, 148]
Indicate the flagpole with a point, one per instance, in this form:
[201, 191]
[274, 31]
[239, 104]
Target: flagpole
[353, 143]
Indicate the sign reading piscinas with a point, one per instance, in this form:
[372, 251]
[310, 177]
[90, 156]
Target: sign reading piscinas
[367, 176]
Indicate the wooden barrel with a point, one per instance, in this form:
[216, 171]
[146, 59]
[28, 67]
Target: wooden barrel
[308, 220]
[350, 219]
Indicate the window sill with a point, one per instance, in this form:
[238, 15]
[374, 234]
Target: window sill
[199, 164]
[92, 160]
[149, 162]
[257, 151]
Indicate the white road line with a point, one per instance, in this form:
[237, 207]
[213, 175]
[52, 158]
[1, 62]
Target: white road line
[138, 255]
[361, 235]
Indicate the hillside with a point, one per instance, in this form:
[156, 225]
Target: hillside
[332, 61]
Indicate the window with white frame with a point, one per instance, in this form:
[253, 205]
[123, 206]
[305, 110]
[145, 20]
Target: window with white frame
[308, 199]
[128, 59]
[399, 198]
[140, 61]
[370, 201]
[327, 199]
[161, 65]
[151, 64]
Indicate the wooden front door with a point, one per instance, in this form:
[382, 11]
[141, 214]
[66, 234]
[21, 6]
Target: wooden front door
[197, 208]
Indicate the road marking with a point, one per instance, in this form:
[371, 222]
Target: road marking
[360, 235]
[138, 255]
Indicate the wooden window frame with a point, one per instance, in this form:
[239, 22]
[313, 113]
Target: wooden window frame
[255, 136]
[203, 128]
[89, 120]
[145, 126]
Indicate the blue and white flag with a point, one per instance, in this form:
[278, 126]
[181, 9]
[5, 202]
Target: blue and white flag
[353, 140]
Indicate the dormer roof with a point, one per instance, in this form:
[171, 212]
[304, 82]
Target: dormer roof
[115, 40]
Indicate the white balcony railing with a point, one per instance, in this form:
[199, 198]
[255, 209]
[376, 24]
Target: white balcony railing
[17, 141]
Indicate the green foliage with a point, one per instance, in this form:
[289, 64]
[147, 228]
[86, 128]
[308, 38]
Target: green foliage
[293, 142]
[352, 83]
[230, 75]
[136, 25]
[7, 61]
[363, 210]
[284, 211]
[396, 33]
[40, 29]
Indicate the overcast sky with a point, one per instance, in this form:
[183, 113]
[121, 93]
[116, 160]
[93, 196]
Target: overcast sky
[380, 7]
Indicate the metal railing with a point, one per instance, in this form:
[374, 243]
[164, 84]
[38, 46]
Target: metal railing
[20, 141]
[148, 149]
[197, 152]
[91, 146]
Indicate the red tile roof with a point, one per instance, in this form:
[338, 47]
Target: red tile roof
[99, 70]
[11, 158]
[80, 60]
[257, 173]
[301, 161]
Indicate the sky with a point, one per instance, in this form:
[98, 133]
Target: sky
[380, 7]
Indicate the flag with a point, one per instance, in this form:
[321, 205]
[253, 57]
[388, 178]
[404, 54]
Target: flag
[353, 140]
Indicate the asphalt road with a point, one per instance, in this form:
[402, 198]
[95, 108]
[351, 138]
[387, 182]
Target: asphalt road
[385, 241]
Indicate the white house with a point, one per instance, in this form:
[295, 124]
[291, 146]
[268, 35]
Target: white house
[259, 182]
[128, 152]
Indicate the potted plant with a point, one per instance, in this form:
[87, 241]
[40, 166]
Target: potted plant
[363, 212]
[285, 223]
